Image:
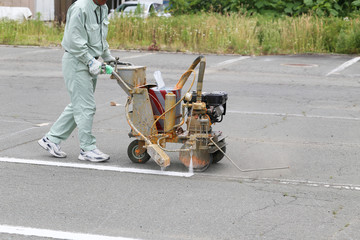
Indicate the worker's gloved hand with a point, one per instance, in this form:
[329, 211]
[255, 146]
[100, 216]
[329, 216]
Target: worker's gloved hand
[94, 67]
[112, 61]
[109, 59]
[124, 63]
[106, 69]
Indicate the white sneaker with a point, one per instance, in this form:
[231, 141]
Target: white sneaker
[93, 156]
[53, 148]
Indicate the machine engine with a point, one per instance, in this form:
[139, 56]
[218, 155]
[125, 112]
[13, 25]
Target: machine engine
[215, 104]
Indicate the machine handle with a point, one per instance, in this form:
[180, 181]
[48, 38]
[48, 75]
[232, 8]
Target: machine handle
[122, 83]
[187, 74]
[200, 79]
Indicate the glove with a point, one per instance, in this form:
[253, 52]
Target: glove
[110, 60]
[94, 67]
[106, 69]
[124, 63]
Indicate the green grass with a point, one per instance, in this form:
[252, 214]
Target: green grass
[209, 33]
[35, 33]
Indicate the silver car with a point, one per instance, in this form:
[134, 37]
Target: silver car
[139, 9]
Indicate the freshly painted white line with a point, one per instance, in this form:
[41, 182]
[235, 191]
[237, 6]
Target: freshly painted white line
[95, 167]
[46, 233]
[293, 115]
[344, 65]
[230, 61]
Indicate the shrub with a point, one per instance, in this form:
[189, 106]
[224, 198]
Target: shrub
[320, 8]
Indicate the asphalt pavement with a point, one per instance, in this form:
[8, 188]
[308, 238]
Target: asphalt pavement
[301, 111]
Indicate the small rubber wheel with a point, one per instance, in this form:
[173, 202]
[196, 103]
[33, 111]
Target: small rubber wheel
[218, 155]
[134, 156]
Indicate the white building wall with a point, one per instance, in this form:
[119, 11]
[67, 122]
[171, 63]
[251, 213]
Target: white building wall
[46, 8]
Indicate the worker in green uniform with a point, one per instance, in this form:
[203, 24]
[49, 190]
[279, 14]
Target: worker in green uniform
[84, 42]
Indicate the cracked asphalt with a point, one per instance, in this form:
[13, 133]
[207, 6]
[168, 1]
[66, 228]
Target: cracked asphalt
[282, 111]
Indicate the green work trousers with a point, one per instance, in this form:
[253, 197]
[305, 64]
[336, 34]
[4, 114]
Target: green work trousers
[80, 112]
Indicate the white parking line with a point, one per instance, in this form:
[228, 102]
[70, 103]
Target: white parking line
[46, 233]
[344, 65]
[15, 133]
[137, 56]
[215, 68]
[6, 136]
[96, 167]
[293, 115]
[12, 121]
[18, 55]
[220, 64]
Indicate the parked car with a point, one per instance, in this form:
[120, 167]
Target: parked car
[140, 9]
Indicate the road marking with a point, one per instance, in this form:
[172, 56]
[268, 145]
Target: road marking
[15, 133]
[24, 130]
[285, 182]
[25, 122]
[293, 115]
[299, 65]
[12, 121]
[95, 167]
[230, 61]
[313, 184]
[137, 56]
[46, 233]
[344, 65]
[214, 68]
[20, 55]
[41, 124]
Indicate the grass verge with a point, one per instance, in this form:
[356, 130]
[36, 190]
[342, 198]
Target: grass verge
[209, 33]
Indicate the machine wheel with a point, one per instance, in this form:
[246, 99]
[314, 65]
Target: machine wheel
[201, 159]
[218, 155]
[134, 156]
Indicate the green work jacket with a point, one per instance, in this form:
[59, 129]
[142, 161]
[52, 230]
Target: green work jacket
[86, 31]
